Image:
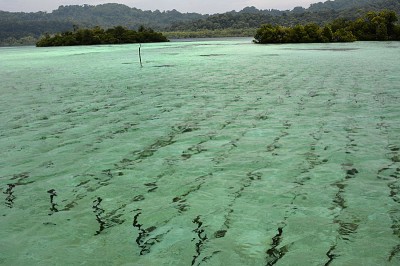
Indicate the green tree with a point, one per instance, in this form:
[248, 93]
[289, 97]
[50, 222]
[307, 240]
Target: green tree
[98, 35]
[297, 34]
[327, 35]
[313, 32]
[343, 35]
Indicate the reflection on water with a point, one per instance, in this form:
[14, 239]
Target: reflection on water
[214, 152]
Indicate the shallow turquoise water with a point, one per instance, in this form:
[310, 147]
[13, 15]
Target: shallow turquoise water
[214, 153]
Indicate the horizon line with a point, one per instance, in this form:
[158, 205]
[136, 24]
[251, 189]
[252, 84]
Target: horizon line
[152, 10]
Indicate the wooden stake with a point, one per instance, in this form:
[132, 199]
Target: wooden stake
[140, 56]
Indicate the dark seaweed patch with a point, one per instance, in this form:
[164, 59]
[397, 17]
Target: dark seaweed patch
[149, 151]
[394, 187]
[107, 172]
[206, 55]
[339, 200]
[164, 66]
[185, 128]
[153, 186]
[180, 201]
[220, 233]
[246, 182]
[143, 244]
[201, 237]
[395, 158]
[330, 255]
[9, 201]
[350, 173]
[207, 258]
[106, 220]
[350, 170]
[81, 189]
[254, 176]
[393, 148]
[138, 198]
[346, 229]
[47, 164]
[193, 150]
[21, 178]
[142, 232]
[323, 49]
[182, 206]
[274, 253]
[69, 206]
[53, 207]
[98, 211]
[275, 144]
[394, 252]
[49, 223]
[125, 128]
[83, 183]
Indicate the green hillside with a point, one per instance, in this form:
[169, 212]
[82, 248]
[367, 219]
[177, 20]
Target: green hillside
[25, 28]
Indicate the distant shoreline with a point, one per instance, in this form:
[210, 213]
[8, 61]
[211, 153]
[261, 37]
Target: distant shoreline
[99, 36]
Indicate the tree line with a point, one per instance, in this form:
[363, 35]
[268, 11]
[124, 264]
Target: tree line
[97, 35]
[22, 28]
[319, 13]
[374, 26]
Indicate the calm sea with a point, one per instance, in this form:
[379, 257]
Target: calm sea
[215, 152]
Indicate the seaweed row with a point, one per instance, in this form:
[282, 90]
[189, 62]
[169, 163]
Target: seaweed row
[111, 219]
[351, 146]
[346, 227]
[275, 144]
[144, 243]
[19, 179]
[394, 188]
[182, 204]
[143, 240]
[195, 149]
[181, 201]
[201, 237]
[274, 254]
[312, 158]
[90, 183]
[391, 174]
[106, 219]
[138, 156]
[53, 205]
[98, 211]
[9, 201]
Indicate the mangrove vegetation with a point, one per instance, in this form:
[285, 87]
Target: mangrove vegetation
[19, 28]
[97, 35]
[374, 26]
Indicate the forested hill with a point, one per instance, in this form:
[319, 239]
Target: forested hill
[341, 5]
[16, 25]
[25, 28]
[319, 13]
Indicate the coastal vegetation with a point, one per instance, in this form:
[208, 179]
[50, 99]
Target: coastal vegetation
[374, 26]
[97, 35]
[19, 28]
[245, 32]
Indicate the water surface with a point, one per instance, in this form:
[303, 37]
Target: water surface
[214, 153]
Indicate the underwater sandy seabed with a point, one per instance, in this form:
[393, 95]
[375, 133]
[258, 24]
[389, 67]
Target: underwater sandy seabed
[213, 153]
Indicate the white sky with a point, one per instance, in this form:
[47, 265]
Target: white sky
[199, 6]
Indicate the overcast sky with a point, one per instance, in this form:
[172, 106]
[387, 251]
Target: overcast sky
[199, 6]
